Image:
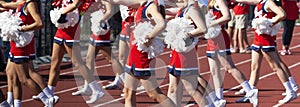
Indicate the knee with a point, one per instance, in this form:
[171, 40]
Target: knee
[172, 89]
[153, 95]
[23, 80]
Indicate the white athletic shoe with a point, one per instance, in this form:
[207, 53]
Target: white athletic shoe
[240, 92]
[295, 88]
[50, 102]
[289, 97]
[252, 95]
[56, 98]
[94, 97]
[220, 103]
[112, 86]
[82, 91]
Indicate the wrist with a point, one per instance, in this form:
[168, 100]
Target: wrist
[189, 35]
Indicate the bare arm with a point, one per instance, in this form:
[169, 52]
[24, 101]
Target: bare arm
[251, 2]
[280, 14]
[71, 7]
[198, 18]
[108, 11]
[129, 3]
[225, 12]
[160, 23]
[10, 5]
[32, 9]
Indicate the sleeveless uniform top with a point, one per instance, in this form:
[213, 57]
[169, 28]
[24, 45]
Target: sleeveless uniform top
[138, 62]
[183, 64]
[221, 44]
[67, 35]
[23, 54]
[264, 41]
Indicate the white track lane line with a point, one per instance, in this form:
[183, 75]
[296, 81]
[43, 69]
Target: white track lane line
[207, 72]
[26, 100]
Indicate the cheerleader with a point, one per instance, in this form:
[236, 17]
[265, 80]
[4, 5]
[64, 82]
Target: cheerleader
[127, 15]
[218, 53]
[65, 40]
[183, 66]
[264, 45]
[139, 67]
[20, 54]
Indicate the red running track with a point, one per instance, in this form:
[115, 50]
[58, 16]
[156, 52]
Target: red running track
[269, 86]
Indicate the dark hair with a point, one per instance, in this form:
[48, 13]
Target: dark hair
[278, 2]
[161, 10]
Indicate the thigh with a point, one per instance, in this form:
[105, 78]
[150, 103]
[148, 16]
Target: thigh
[131, 82]
[190, 82]
[149, 82]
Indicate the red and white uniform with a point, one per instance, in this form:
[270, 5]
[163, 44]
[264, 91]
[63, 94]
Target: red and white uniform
[221, 43]
[291, 9]
[263, 41]
[68, 35]
[183, 64]
[23, 54]
[138, 62]
[100, 40]
[127, 23]
[241, 8]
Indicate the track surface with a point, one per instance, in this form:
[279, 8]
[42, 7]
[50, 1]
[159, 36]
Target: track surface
[270, 88]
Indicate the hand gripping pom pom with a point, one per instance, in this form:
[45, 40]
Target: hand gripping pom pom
[212, 31]
[97, 27]
[176, 36]
[140, 33]
[263, 25]
[10, 28]
[72, 18]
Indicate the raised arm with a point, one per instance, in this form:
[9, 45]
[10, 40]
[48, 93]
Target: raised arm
[225, 12]
[198, 18]
[33, 10]
[251, 2]
[108, 11]
[280, 14]
[11, 5]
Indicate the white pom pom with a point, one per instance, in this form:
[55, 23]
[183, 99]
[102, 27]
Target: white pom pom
[140, 33]
[96, 25]
[72, 18]
[175, 33]
[212, 31]
[275, 29]
[262, 25]
[24, 38]
[9, 25]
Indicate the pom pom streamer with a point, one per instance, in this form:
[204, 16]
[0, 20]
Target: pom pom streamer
[10, 28]
[176, 33]
[212, 31]
[263, 25]
[96, 25]
[140, 33]
[72, 18]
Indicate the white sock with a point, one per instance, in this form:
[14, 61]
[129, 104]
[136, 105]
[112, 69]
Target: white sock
[10, 97]
[253, 87]
[213, 96]
[122, 77]
[246, 86]
[288, 87]
[17, 103]
[95, 87]
[116, 81]
[292, 81]
[48, 92]
[43, 97]
[51, 88]
[4, 104]
[86, 85]
[219, 93]
[208, 100]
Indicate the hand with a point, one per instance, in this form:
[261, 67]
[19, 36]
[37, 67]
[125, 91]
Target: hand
[103, 25]
[148, 43]
[188, 40]
[62, 18]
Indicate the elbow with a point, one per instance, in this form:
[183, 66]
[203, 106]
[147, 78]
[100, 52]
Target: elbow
[227, 18]
[162, 25]
[40, 25]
